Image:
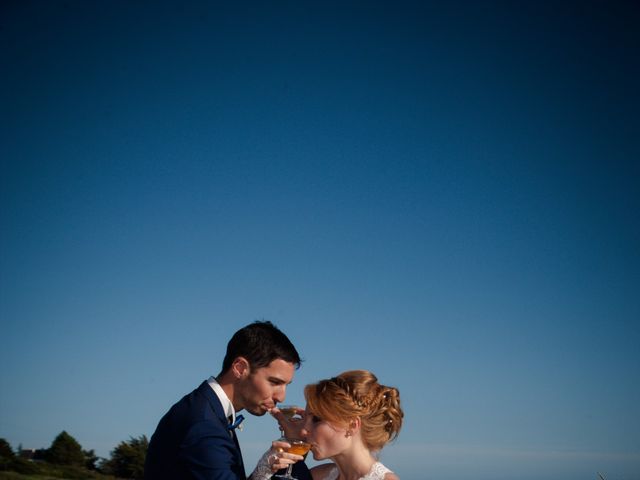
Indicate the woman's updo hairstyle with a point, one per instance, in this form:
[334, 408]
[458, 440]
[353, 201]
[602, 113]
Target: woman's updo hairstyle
[357, 394]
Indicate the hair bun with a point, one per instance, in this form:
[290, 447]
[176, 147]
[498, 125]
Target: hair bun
[358, 394]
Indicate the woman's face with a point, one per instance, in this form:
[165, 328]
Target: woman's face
[326, 439]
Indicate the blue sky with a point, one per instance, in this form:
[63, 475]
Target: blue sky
[445, 193]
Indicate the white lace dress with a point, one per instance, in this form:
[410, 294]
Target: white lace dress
[330, 472]
[377, 472]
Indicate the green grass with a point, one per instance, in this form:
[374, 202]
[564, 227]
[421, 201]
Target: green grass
[8, 475]
[19, 476]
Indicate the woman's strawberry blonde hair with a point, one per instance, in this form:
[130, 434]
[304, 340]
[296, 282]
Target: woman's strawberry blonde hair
[357, 394]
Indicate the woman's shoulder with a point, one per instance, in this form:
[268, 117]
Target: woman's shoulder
[391, 476]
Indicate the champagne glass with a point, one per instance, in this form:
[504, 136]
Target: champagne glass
[289, 411]
[298, 447]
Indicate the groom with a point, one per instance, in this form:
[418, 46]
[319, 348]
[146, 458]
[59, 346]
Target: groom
[196, 438]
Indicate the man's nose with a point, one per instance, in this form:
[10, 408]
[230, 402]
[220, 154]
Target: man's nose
[280, 394]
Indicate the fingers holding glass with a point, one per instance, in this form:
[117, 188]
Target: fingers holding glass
[289, 419]
[293, 450]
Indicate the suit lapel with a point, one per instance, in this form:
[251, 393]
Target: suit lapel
[235, 440]
[216, 407]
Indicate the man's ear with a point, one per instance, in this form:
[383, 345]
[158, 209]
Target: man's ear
[240, 368]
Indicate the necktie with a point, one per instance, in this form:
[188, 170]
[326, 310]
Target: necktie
[236, 424]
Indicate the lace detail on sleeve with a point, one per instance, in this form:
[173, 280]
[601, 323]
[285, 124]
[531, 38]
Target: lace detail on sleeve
[377, 472]
[262, 470]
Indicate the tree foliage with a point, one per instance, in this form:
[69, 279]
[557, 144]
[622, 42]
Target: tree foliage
[127, 459]
[12, 462]
[5, 450]
[90, 459]
[66, 459]
[65, 450]
[7, 457]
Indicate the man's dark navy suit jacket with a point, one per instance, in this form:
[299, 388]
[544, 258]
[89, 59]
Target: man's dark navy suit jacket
[192, 442]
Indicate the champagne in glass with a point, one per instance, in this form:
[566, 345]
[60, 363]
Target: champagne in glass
[298, 447]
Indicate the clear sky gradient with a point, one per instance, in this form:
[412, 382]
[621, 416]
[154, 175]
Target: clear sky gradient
[445, 193]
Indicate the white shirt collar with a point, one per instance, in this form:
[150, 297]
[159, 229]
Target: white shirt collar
[227, 406]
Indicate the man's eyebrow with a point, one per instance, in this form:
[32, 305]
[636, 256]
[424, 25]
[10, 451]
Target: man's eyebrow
[278, 380]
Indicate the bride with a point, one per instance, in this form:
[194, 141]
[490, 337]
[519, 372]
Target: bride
[348, 420]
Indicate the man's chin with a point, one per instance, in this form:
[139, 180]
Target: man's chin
[258, 411]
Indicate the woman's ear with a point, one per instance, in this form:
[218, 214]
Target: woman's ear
[354, 426]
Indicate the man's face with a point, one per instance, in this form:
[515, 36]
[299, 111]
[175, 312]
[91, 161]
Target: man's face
[264, 387]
